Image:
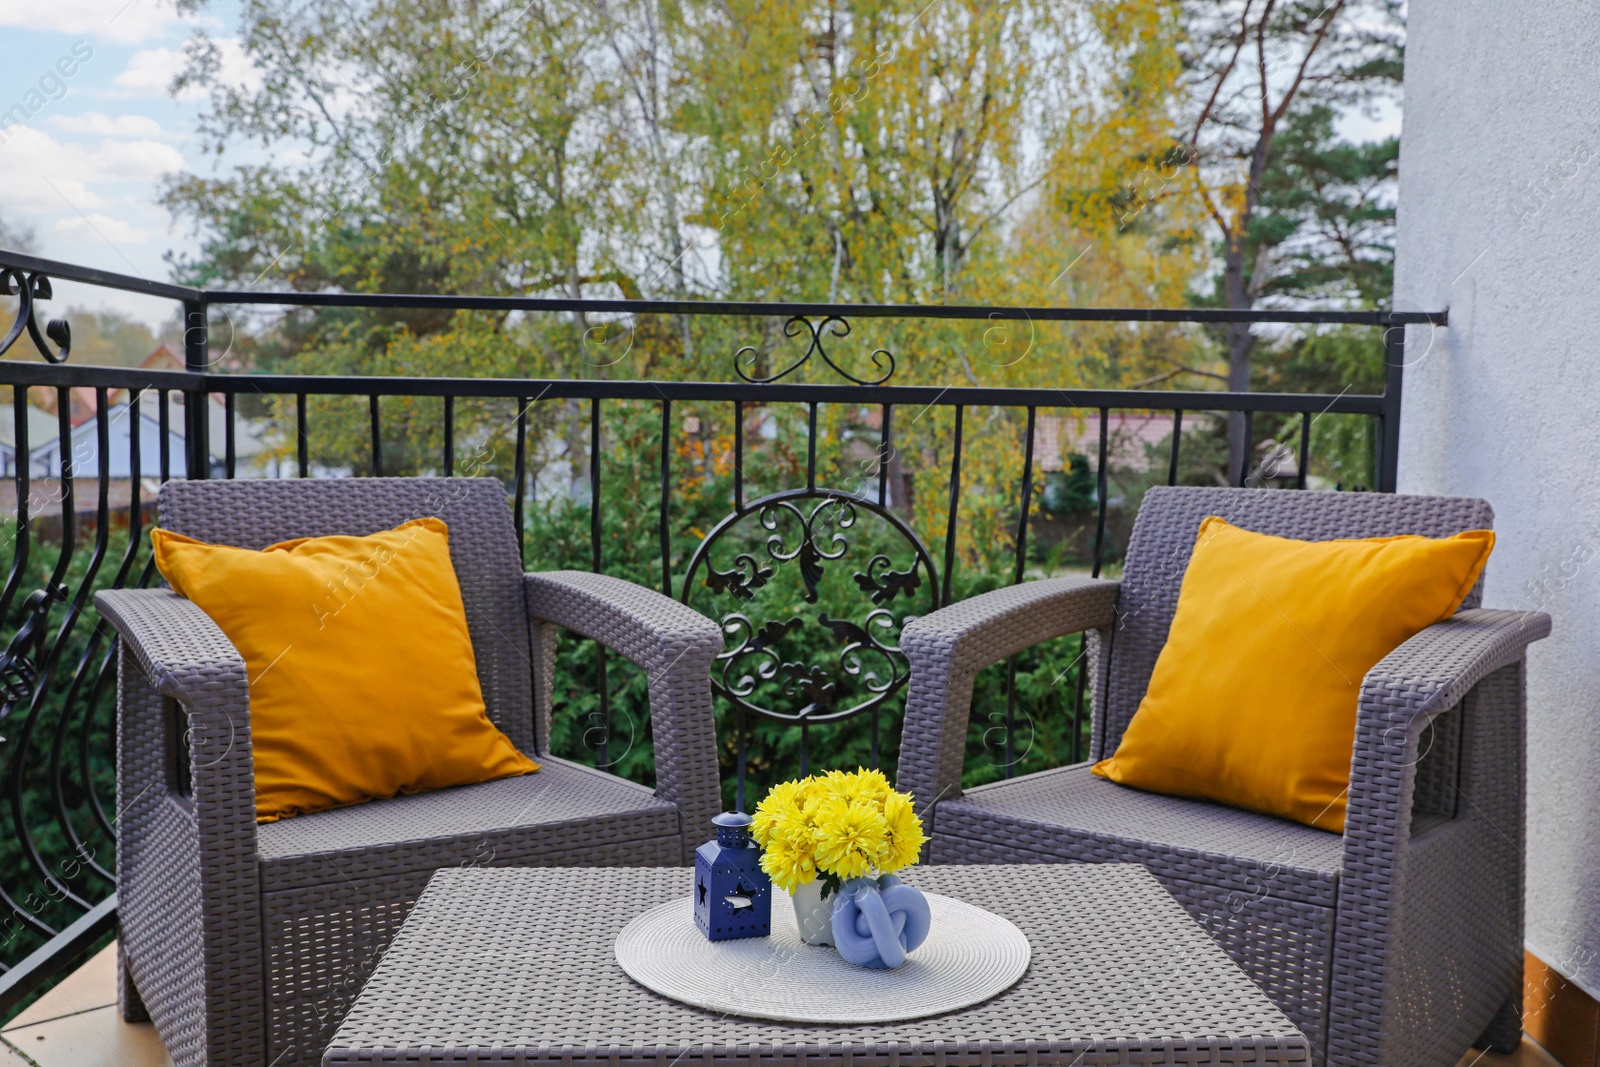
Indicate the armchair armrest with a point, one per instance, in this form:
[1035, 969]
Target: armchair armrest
[182, 654]
[187, 867]
[180, 650]
[674, 645]
[1474, 660]
[1425, 676]
[948, 647]
[1435, 669]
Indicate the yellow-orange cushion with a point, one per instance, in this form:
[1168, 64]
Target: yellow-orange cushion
[362, 680]
[1253, 699]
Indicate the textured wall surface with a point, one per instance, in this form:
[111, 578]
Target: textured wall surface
[1500, 222]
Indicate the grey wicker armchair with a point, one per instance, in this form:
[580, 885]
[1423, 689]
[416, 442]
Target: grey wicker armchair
[244, 943]
[1399, 942]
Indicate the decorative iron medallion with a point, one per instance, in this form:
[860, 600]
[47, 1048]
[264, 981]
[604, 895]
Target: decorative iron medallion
[811, 529]
[798, 324]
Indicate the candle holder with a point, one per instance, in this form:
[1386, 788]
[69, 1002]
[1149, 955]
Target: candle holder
[732, 894]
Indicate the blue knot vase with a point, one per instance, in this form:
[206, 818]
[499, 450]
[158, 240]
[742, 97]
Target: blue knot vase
[876, 921]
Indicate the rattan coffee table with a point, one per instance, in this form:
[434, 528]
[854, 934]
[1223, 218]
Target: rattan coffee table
[515, 965]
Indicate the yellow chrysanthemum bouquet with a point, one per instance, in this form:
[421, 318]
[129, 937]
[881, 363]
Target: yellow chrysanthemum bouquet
[849, 830]
[838, 825]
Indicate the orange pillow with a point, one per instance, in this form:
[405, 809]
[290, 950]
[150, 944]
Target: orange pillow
[1253, 699]
[362, 679]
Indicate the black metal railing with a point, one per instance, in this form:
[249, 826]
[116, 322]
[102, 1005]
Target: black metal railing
[78, 522]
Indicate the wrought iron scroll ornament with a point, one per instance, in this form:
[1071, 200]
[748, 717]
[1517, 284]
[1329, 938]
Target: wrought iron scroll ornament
[19, 663]
[882, 359]
[28, 288]
[815, 536]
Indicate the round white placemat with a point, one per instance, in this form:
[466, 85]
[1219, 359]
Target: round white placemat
[969, 956]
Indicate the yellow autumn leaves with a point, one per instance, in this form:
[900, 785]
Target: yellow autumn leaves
[840, 824]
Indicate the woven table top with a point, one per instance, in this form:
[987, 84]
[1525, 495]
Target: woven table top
[516, 965]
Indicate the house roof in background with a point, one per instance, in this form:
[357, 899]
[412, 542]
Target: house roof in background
[43, 428]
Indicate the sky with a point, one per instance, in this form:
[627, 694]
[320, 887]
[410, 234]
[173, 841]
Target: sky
[88, 131]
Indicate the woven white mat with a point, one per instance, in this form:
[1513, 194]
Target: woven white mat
[970, 955]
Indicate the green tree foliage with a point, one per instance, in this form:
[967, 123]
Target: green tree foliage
[853, 150]
[1297, 213]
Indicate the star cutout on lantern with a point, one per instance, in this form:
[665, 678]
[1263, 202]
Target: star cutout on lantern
[702, 892]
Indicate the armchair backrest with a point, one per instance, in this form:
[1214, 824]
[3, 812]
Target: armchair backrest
[254, 513]
[1163, 537]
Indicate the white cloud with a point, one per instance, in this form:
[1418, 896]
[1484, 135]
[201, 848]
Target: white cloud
[122, 21]
[100, 124]
[115, 231]
[150, 71]
[51, 177]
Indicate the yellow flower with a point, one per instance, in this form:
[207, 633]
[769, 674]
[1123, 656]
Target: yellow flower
[860, 784]
[869, 785]
[828, 785]
[787, 863]
[783, 799]
[905, 833]
[851, 837]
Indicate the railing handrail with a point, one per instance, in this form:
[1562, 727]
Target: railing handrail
[29, 373]
[60, 271]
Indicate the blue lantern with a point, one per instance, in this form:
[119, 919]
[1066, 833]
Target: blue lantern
[732, 894]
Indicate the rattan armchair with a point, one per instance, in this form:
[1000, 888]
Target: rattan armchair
[1398, 942]
[244, 943]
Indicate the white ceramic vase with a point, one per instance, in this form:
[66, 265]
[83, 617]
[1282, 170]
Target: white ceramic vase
[813, 914]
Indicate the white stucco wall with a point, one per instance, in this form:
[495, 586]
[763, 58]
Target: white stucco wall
[1500, 222]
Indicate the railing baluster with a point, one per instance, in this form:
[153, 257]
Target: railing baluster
[1027, 498]
[165, 422]
[197, 416]
[1177, 442]
[602, 754]
[885, 451]
[71, 705]
[594, 485]
[1076, 746]
[1020, 567]
[230, 404]
[738, 455]
[1244, 463]
[133, 412]
[19, 556]
[375, 431]
[811, 446]
[602, 749]
[1388, 427]
[135, 418]
[449, 436]
[955, 501]
[302, 440]
[520, 473]
[1100, 492]
[666, 496]
[1305, 450]
[196, 461]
